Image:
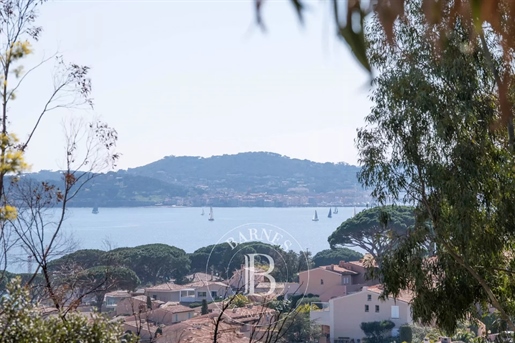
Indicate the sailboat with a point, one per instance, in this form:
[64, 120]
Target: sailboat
[335, 210]
[330, 215]
[202, 212]
[315, 218]
[95, 210]
[354, 210]
[211, 218]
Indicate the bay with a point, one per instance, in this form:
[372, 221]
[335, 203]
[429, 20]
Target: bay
[186, 228]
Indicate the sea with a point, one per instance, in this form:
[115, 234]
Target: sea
[186, 228]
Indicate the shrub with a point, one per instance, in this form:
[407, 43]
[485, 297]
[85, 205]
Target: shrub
[204, 309]
[23, 322]
[405, 334]
[377, 332]
[308, 301]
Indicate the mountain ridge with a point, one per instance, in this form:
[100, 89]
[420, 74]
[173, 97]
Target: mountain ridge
[243, 179]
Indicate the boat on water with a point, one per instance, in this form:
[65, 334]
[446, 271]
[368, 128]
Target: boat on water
[211, 218]
[202, 212]
[335, 210]
[315, 217]
[95, 210]
[354, 210]
[330, 215]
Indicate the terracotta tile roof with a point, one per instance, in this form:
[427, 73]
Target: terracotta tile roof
[200, 330]
[242, 313]
[205, 283]
[175, 308]
[173, 287]
[404, 296]
[170, 286]
[118, 294]
[337, 269]
[202, 277]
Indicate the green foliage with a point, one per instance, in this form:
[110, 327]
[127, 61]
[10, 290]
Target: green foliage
[405, 333]
[85, 259]
[23, 323]
[111, 277]
[420, 332]
[104, 279]
[280, 305]
[153, 263]
[307, 300]
[224, 259]
[294, 299]
[377, 332]
[432, 140]
[149, 303]
[204, 309]
[239, 300]
[374, 229]
[299, 328]
[334, 256]
[494, 323]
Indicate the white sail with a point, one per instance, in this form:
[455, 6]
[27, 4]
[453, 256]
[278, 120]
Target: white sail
[211, 218]
[315, 218]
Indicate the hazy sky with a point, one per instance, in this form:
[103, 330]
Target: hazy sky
[199, 78]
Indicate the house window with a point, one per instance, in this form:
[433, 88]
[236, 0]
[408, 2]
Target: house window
[201, 294]
[369, 297]
[395, 312]
[321, 281]
[377, 308]
[345, 280]
[176, 319]
[213, 294]
[366, 308]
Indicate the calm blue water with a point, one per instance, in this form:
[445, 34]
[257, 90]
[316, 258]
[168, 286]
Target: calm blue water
[185, 228]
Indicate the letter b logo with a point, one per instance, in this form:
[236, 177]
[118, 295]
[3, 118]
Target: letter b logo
[251, 272]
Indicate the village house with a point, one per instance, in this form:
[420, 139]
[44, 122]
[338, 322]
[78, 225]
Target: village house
[279, 288]
[332, 281]
[112, 299]
[192, 292]
[235, 325]
[237, 280]
[341, 317]
[201, 330]
[129, 306]
[145, 330]
[170, 313]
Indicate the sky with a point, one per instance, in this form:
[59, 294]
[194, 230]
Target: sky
[199, 78]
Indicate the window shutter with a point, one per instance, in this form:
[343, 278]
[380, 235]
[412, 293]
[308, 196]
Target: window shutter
[395, 312]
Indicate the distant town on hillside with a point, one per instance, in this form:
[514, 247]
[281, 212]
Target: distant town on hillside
[253, 179]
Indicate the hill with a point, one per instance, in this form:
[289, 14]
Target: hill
[119, 189]
[253, 172]
[245, 179]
